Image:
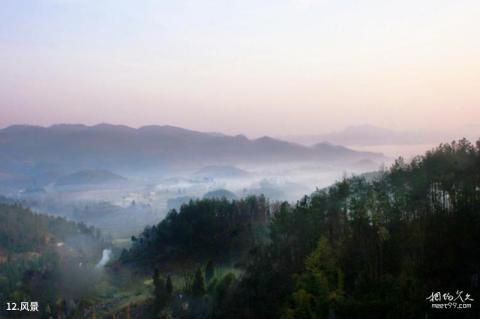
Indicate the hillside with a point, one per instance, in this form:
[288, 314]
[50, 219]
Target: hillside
[89, 177]
[372, 246]
[44, 258]
[221, 171]
[210, 228]
[21, 230]
[33, 150]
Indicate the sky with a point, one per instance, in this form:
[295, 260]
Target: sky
[273, 67]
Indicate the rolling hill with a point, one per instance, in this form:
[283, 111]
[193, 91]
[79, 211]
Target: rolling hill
[89, 177]
[32, 150]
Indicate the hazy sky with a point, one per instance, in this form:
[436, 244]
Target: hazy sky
[255, 67]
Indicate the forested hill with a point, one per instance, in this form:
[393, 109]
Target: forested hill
[204, 229]
[359, 249]
[373, 250]
[21, 230]
[45, 258]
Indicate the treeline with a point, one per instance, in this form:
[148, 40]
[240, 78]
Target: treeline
[21, 230]
[200, 296]
[202, 230]
[46, 259]
[373, 249]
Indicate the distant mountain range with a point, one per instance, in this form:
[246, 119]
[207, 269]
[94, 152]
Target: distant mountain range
[369, 135]
[64, 149]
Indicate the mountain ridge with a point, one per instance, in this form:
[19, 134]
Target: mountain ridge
[371, 135]
[71, 147]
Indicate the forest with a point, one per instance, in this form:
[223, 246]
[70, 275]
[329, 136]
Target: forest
[361, 248]
[41, 259]
[203, 230]
[369, 246]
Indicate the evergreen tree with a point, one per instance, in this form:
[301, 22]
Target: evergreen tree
[169, 286]
[198, 286]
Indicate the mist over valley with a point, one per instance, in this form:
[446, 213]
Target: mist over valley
[121, 179]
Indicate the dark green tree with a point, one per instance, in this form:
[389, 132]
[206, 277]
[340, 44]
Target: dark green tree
[198, 286]
[169, 286]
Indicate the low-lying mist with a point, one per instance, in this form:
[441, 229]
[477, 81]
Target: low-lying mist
[124, 206]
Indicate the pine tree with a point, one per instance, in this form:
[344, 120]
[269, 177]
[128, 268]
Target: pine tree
[198, 287]
[169, 286]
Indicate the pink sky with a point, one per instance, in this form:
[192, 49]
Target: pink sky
[279, 67]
